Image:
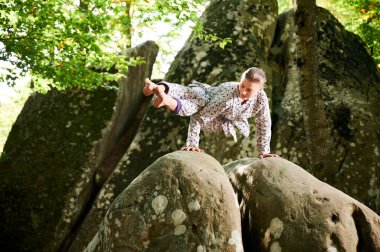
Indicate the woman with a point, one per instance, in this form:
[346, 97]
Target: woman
[221, 107]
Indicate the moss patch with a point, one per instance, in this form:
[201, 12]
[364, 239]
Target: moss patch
[43, 159]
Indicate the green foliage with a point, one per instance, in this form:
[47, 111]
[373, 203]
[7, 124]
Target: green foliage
[179, 16]
[66, 43]
[11, 103]
[221, 42]
[58, 42]
[168, 23]
[363, 18]
[284, 5]
[176, 12]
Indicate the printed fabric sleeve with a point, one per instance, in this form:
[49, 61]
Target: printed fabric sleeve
[263, 125]
[193, 133]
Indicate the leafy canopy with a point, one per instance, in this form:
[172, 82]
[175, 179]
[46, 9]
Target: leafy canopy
[58, 41]
[363, 18]
[67, 43]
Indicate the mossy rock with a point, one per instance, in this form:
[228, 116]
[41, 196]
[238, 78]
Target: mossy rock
[43, 159]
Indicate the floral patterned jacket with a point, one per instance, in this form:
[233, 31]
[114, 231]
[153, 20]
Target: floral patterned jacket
[224, 110]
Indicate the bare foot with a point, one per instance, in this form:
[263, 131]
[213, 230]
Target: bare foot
[149, 87]
[161, 98]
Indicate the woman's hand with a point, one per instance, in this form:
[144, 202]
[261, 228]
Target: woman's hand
[192, 148]
[268, 155]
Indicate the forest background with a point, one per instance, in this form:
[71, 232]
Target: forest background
[66, 44]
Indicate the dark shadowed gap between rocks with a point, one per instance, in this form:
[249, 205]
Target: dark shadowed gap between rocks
[104, 170]
[363, 229]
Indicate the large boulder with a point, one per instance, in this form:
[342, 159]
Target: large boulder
[285, 208]
[129, 109]
[44, 158]
[182, 202]
[251, 25]
[350, 89]
[56, 146]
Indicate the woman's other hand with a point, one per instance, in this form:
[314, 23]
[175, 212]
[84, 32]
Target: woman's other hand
[192, 148]
[268, 155]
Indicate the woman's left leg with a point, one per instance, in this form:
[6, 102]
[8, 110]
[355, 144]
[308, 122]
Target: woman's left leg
[181, 100]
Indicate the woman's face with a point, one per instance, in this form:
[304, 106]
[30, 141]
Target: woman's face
[248, 89]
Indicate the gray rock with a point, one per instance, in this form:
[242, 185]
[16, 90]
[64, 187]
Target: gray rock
[351, 93]
[251, 26]
[182, 202]
[129, 109]
[44, 160]
[251, 29]
[285, 208]
[50, 160]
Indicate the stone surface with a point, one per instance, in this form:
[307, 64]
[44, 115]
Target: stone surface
[130, 108]
[285, 208]
[182, 202]
[57, 145]
[44, 159]
[49, 164]
[161, 132]
[130, 105]
[351, 93]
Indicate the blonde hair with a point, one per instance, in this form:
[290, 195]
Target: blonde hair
[254, 74]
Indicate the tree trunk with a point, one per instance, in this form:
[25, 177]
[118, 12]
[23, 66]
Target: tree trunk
[127, 30]
[307, 61]
[83, 5]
